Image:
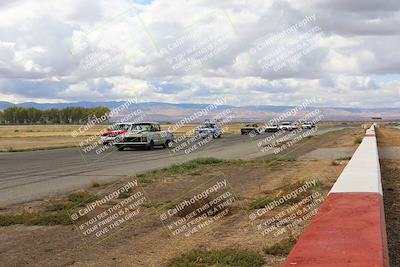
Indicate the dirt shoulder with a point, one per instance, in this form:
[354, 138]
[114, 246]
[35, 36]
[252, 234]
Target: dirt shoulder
[391, 194]
[390, 170]
[346, 138]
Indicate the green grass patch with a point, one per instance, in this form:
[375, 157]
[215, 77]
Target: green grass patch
[146, 178]
[54, 218]
[57, 206]
[259, 203]
[170, 205]
[125, 194]
[12, 149]
[293, 186]
[197, 167]
[282, 248]
[358, 140]
[191, 165]
[274, 161]
[177, 169]
[344, 158]
[225, 257]
[80, 198]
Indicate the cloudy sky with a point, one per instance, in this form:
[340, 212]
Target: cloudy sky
[252, 52]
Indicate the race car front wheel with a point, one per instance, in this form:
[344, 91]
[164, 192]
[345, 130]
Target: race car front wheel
[167, 144]
[150, 146]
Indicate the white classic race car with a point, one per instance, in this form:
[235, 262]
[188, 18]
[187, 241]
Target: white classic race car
[209, 129]
[144, 134]
[287, 126]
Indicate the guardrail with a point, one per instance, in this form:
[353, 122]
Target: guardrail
[349, 228]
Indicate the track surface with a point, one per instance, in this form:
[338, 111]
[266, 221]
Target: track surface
[26, 176]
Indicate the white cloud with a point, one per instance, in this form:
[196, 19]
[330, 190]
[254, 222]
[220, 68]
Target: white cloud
[99, 49]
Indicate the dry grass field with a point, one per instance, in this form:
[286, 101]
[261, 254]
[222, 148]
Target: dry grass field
[36, 137]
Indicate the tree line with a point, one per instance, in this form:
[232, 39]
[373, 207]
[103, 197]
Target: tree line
[70, 115]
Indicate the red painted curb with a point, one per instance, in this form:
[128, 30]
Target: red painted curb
[348, 230]
[369, 135]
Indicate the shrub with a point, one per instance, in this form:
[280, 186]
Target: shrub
[358, 140]
[282, 248]
[81, 197]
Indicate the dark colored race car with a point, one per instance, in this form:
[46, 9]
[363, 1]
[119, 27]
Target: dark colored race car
[250, 129]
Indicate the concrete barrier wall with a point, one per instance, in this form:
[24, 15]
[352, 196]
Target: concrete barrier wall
[349, 228]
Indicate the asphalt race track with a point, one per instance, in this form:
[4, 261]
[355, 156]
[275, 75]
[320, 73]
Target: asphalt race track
[26, 176]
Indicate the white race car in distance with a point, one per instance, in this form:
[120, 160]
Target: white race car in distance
[209, 129]
[307, 125]
[287, 126]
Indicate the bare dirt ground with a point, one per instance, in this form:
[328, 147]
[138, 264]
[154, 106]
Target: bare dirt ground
[149, 243]
[391, 192]
[337, 147]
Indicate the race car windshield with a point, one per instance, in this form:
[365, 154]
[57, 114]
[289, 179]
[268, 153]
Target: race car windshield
[207, 125]
[141, 127]
[117, 127]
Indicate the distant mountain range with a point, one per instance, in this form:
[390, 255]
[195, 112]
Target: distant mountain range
[173, 112]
